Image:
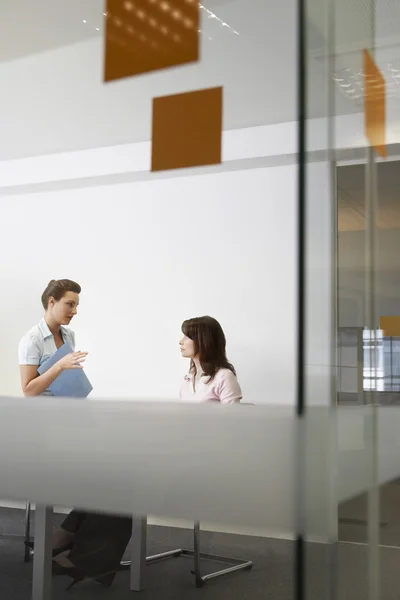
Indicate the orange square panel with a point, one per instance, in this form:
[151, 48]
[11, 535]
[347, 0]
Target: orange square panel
[148, 35]
[187, 130]
[375, 105]
[391, 326]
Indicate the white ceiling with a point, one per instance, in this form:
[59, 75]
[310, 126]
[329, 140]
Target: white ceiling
[31, 26]
[69, 107]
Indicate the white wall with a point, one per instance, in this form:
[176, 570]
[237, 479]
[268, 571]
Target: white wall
[148, 255]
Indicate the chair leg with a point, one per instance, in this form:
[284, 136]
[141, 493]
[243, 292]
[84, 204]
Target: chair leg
[232, 564]
[27, 551]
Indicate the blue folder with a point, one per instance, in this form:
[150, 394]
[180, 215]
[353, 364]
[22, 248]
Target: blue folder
[71, 383]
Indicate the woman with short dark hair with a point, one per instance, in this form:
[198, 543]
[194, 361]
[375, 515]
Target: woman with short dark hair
[95, 542]
[60, 301]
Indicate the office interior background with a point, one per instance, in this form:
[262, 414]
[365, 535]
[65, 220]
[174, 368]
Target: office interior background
[78, 200]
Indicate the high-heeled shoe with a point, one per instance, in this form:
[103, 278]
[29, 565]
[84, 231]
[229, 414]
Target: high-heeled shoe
[105, 579]
[56, 551]
[76, 574]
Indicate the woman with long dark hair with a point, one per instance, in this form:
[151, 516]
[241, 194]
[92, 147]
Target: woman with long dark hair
[211, 377]
[95, 542]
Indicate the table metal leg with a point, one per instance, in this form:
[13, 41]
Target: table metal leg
[138, 556]
[27, 535]
[41, 584]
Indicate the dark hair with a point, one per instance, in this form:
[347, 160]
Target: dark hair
[57, 289]
[209, 345]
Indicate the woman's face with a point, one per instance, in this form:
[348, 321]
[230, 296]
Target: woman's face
[65, 309]
[187, 347]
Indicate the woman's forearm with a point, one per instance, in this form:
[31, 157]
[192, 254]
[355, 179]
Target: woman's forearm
[38, 385]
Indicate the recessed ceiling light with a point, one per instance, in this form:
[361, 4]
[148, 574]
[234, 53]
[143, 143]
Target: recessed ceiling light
[84, 21]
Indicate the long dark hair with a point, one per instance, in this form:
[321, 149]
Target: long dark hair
[209, 345]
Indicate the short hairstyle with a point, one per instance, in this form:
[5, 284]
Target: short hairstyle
[57, 288]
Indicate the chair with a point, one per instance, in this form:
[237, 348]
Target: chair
[26, 535]
[197, 555]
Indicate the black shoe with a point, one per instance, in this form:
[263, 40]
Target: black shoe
[105, 579]
[56, 551]
[76, 574]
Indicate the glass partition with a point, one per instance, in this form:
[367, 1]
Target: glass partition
[344, 365]
[148, 152]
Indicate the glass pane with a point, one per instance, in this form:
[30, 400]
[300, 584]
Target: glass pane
[345, 360]
[79, 200]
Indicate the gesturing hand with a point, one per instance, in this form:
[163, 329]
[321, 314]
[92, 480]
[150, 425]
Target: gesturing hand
[73, 360]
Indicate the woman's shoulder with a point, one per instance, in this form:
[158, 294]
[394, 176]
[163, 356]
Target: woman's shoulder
[225, 375]
[32, 335]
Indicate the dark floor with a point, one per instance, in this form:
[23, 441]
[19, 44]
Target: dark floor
[270, 579]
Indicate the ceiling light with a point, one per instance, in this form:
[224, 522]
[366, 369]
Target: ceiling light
[352, 83]
[222, 23]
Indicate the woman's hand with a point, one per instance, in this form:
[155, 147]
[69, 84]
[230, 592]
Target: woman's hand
[73, 360]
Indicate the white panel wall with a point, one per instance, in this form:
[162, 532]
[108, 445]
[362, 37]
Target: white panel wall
[148, 255]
